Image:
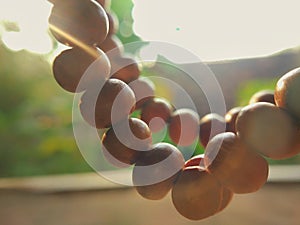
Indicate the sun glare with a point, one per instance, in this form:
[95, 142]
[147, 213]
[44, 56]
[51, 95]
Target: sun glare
[31, 16]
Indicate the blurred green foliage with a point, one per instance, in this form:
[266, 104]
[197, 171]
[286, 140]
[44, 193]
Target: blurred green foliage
[35, 119]
[249, 88]
[123, 10]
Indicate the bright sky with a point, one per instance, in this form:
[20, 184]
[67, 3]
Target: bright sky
[32, 18]
[216, 29]
[212, 29]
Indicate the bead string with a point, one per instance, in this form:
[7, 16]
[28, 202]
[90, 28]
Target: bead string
[234, 159]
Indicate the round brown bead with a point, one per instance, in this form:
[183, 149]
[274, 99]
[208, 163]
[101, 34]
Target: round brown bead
[211, 125]
[223, 154]
[227, 196]
[127, 140]
[156, 108]
[156, 171]
[113, 47]
[97, 103]
[230, 119]
[251, 176]
[196, 194]
[125, 69]
[113, 23]
[287, 93]
[78, 23]
[74, 66]
[104, 3]
[195, 161]
[143, 89]
[263, 96]
[184, 127]
[238, 169]
[267, 129]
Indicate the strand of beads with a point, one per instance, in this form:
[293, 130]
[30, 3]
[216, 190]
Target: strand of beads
[202, 186]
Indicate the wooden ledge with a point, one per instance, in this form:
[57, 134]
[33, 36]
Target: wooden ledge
[65, 182]
[92, 181]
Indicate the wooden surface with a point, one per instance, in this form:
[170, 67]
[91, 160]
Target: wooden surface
[86, 199]
[274, 204]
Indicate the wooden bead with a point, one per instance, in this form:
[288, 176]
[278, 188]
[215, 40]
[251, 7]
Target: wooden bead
[143, 89]
[74, 66]
[78, 23]
[236, 167]
[156, 108]
[226, 198]
[104, 3]
[230, 119]
[223, 154]
[227, 194]
[113, 48]
[127, 140]
[251, 176]
[195, 161]
[184, 127]
[211, 125]
[287, 93]
[113, 23]
[263, 96]
[156, 171]
[196, 194]
[125, 69]
[97, 103]
[267, 129]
